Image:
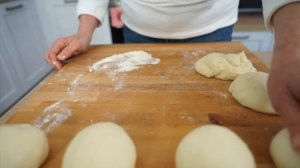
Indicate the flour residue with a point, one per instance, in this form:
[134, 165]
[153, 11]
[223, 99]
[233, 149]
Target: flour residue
[74, 84]
[192, 56]
[124, 62]
[53, 116]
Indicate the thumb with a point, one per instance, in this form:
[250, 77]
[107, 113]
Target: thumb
[68, 51]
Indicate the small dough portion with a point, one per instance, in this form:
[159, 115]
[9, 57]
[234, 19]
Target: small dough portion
[282, 152]
[213, 146]
[250, 90]
[22, 145]
[104, 145]
[224, 66]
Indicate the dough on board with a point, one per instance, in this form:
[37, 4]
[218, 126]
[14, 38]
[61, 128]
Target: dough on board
[250, 90]
[22, 146]
[213, 146]
[104, 145]
[224, 66]
[284, 156]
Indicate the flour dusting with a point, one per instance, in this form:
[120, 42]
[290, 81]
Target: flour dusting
[124, 62]
[53, 116]
[74, 84]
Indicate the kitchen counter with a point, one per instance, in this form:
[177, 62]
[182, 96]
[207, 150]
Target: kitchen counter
[156, 104]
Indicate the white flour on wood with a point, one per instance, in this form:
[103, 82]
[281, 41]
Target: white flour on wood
[124, 62]
[53, 116]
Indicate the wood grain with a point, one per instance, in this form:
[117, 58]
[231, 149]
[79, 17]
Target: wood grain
[157, 104]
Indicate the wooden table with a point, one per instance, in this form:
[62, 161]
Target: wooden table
[157, 104]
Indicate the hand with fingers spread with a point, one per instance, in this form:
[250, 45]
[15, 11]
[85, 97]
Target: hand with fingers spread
[284, 80]
[67, 47]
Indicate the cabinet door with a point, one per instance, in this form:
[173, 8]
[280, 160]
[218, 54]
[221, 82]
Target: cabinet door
[59, 18]
[10, 88]
[25, 41]
[255, 41]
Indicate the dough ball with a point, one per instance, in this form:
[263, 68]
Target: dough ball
[250, 90]
[213, 146]
[224, 66]
[104, 145]
[284, 156]
[22, 146]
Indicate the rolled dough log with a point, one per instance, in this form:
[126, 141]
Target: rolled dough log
[224, 66]
[284, 156]
[22, 146]
[212, 146]
[104, 145]
[250, 90]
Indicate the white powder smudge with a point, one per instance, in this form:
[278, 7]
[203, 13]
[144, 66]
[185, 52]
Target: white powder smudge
[74, 84]
[124, 62]
[223, 95]
[53, 116]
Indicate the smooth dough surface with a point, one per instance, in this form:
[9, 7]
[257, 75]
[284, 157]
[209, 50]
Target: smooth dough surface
[212, 146]
[104, 145]
[250, 90]
[284, 156]
[224, 66]
[22, 146]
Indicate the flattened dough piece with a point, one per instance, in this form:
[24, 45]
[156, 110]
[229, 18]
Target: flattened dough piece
[224, 66]
[284, 156]
[213, 146]
[22, 145]
[104, 145]
[250, 90]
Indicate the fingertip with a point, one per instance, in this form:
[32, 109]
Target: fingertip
[61, 57]
[57, 65]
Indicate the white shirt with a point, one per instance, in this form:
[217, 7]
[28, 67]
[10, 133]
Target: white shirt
[176, 19]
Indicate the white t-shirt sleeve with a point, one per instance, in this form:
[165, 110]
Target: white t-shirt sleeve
[96, 8]
[270, 7]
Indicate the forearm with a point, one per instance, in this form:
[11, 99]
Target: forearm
[286, 22]
[87, 25]
[284, 79]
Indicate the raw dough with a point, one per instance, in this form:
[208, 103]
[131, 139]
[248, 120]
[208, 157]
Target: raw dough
[224, 66]
[104, 145]
[22, 146]
[250, 90]
[283, 154]
[213, 146]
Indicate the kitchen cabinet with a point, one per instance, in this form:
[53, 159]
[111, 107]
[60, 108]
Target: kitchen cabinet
[22, 47]
[256, 41]
[10, 88]
[59, 18]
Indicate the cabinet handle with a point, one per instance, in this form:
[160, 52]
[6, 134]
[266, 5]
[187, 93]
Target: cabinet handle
[70, 1]
[241, 37]
[14, 7]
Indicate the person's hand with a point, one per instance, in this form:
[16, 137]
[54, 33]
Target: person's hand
[116, 14]
[284, 89]
[284, 79]
[66, 47]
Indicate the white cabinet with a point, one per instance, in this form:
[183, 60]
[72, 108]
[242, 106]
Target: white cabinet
[256, 41]
[59, 19]
[10, 88]
[22, 48]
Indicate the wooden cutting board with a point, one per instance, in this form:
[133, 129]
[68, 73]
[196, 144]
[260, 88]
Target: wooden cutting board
[157, 104]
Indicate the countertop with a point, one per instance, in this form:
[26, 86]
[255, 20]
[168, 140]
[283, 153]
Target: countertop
[156, 104]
